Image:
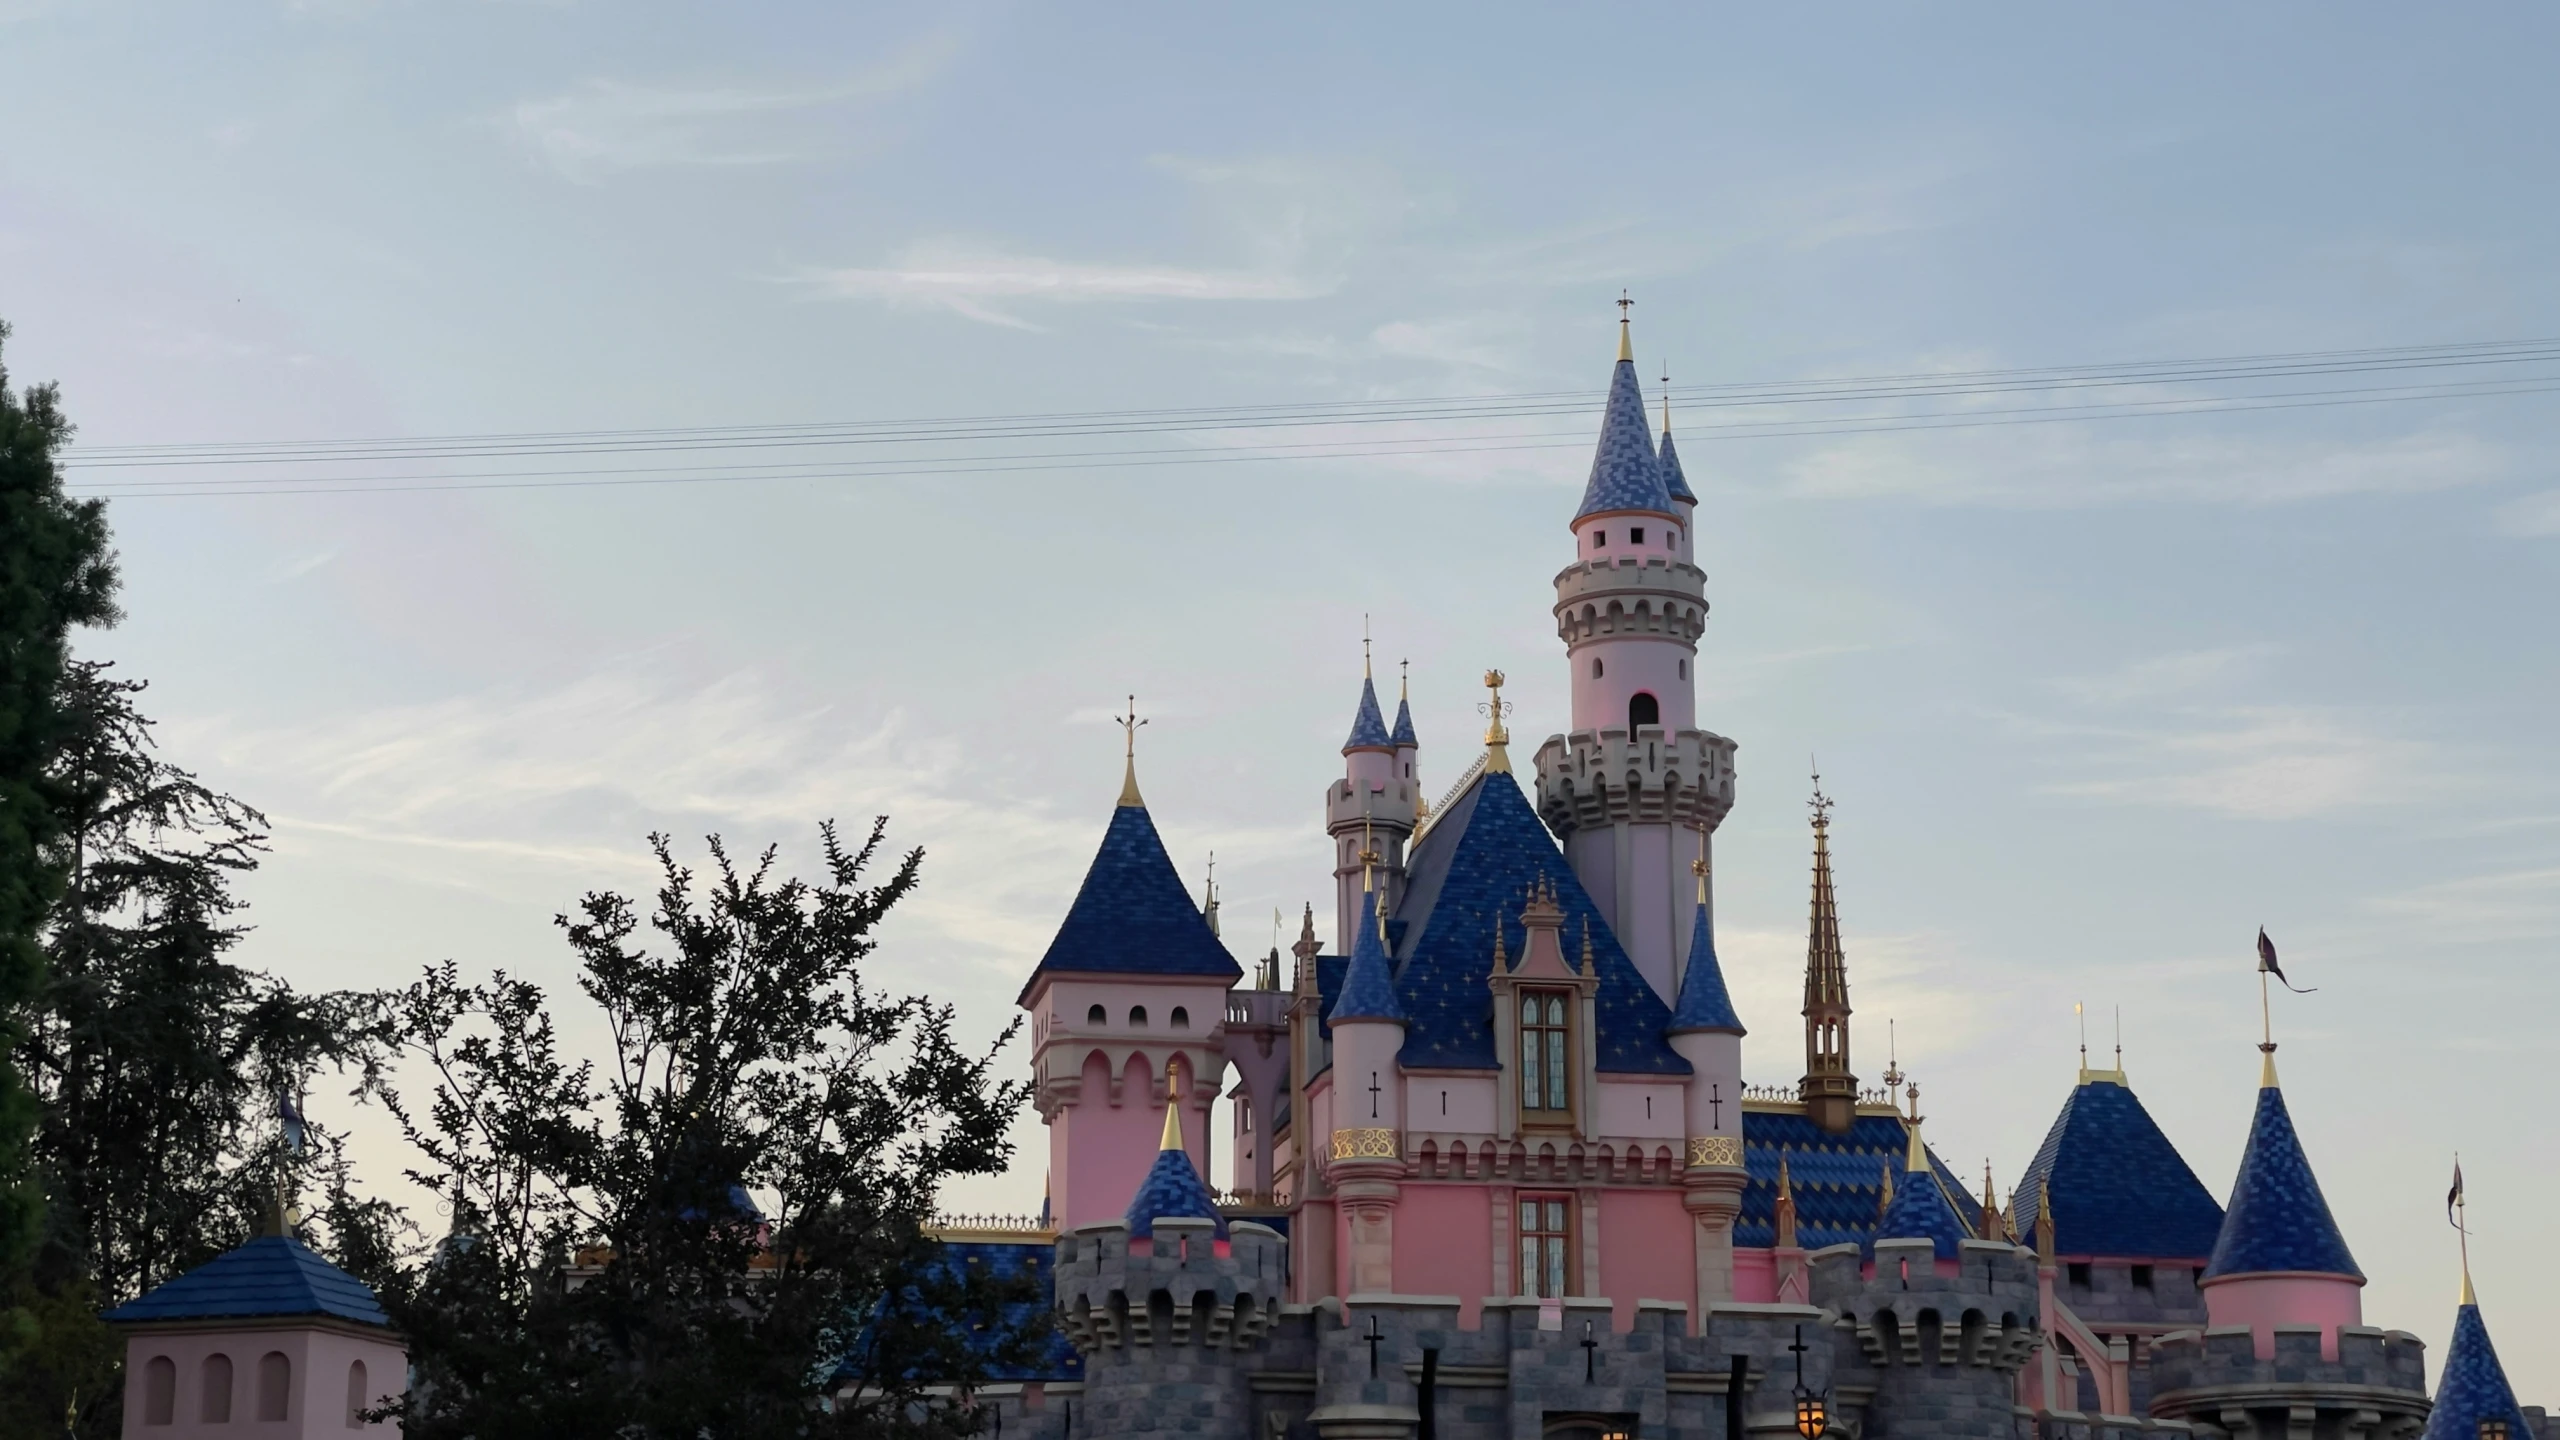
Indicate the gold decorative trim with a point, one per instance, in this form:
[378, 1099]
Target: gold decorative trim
[1366, 1144]
[1715, 1150]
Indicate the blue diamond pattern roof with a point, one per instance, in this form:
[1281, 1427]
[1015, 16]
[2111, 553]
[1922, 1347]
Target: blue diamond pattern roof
[1132, 916]
[272, 1276]
[1368, 727]
[1919, 1211]
[1172, 1191]
[1672, 480]
[2120, 1189]
[1838, 1179]
[2473, 1386]
[1054, 1357]
[1368, 991]
[2278, 1219]
[1472, 871]
[1704, 1005]
[1625, 474]
[1404, 725]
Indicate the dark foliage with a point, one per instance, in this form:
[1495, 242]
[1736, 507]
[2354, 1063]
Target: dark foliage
[611, 1269]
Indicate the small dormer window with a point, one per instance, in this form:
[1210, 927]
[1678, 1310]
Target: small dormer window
[1543, 1066]
[1636, 536]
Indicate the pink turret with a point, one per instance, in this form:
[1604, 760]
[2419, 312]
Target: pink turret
[2280, 1259]
[1374, 807]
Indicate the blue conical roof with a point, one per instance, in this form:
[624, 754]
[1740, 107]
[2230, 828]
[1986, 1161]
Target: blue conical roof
[1919, 1211]
[1172, 1191]
[2277, 1221]
[1368, 728]
[1368, 987]
[1625, 474]
[1672, 480]
[1404, 725]
[2473, 1386]
[1133, 916]
[1703, 1004]
[274, 1276]
[2119, 1189]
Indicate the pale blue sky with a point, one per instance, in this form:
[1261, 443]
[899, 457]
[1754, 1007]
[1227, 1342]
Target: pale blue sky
[2097, 699]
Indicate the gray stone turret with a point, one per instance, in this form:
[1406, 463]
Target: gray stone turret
[1939, 1353]
[1166, 1326]
[2375, 1389]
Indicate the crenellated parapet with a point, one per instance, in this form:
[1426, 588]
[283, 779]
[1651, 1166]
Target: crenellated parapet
[2372, 1388]
[1651, 776]
[1937, 1344]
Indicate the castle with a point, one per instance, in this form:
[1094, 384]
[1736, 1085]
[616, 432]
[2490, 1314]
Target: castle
[1494, 1170]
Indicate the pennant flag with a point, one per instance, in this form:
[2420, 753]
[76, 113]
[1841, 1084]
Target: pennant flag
[289, 1115]
[2453, 1196]
[2267, 963]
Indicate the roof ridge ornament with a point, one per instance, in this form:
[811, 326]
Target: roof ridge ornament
[1129, 756]
[1497, 736]
[1626, 338]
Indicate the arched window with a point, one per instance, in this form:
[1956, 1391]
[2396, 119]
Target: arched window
[1097, 1016]
[160, 1391]
[1181, 1018]
[216, 1409]
[1542, 1051]
[359, 1396]
[1595, 667]
[1138, 1017]
[275, 1385]
[1643, 710]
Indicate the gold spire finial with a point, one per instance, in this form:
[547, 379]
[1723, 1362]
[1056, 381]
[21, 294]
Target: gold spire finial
[1698, 867]
[2044, 1220]
[1915, 1156]
[1172, 1124]
[1589, 967]
[1497, 737]
[1626, 340]
[1129, 755]
[1990, 1203]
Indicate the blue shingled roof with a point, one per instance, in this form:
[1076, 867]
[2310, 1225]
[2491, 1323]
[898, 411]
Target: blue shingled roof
[1704, 1005]
[274, 1275]
[1471, 872]
[1368, 991]
[1053, 1357]
[1625, 473]
[2278, 1219]
[1132, 916]
[1838, 1179]
[1920, 1211]
[1672, 480]
[1368, 727]
[1172, 1191]
[2120, 1189]
[2473, 1386]
[1404, 725]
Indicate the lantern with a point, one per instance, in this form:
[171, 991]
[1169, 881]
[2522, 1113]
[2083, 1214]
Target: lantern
[1810, 1420]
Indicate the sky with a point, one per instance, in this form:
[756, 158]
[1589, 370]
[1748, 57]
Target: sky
[2097, 697]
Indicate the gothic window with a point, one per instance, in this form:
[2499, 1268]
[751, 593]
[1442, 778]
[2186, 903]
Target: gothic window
[1097, 1016]
[1544, 1241]
[1643, 710]
[1542, 1053]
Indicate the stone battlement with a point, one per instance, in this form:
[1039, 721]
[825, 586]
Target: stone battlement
[2374, 1390]
[1648, 776]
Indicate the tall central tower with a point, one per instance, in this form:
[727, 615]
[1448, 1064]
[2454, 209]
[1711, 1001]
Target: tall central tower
[1635, 769]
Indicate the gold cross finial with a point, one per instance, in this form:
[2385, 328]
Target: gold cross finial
[1364, 645]
[1129, 754]
[1698, 867]
[1497, 760]
[1404, 679]
[1820, 803]
[1626, 344]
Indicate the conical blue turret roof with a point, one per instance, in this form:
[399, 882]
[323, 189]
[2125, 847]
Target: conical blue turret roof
[1625, 473]
[1404, 725]
[1920, 1211]
[1672, 480]
[1703, 1004]
[274, 1276]
[1368, 728]
[2277, 1220]
[2119, 1188]
[1368, 987]
[1172, 1190]
[2473, 1386]
[1133, 916]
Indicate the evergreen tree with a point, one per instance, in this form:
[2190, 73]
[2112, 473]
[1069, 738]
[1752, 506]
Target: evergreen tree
[56, 571]
[611, 1269]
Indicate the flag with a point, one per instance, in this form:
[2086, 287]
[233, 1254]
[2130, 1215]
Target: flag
[2267, 963]
[2453, 1196]
[290, 1114]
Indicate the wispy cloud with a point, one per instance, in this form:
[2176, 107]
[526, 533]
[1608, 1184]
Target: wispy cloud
[2503, 906]
[2272, 762]
[603, 127]
[2532, 515]
[988, 283]
[2160, 676]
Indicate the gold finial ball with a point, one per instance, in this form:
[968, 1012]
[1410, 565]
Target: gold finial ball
[1493, 679]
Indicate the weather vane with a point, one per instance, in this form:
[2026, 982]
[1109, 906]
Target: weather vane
[1129, 725]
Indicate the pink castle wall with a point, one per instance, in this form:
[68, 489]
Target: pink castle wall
[1099, 1152]
[1755, 1276]
[2262, 1302]
[316, 1391]
[1646, 1252]
[1444, 1245]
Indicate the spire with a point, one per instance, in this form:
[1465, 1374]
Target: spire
[1625, 473]
[1209, 898]
[1703, 1003]
[1829, 1089]
[1497, 736]
[1918, 1209]
[2472, 1387]
[1172, 1139]
[1674, 482]
[1368, 986]
[1134, 914]
[1129, 772]
[2277, 1221]
[1626, 338]
[1786, 1206]
[1368, 726]
[1403, 736]
[1172, 1189]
